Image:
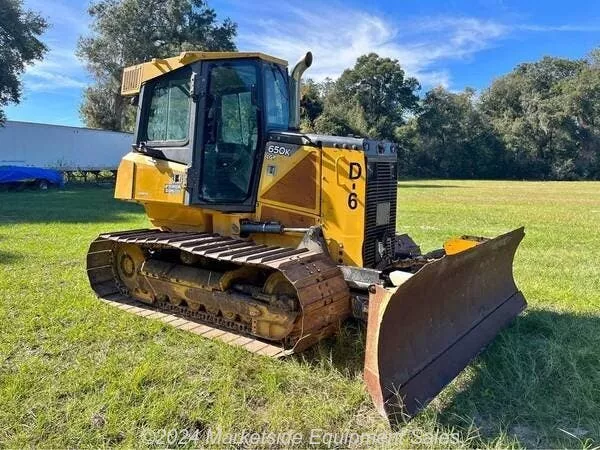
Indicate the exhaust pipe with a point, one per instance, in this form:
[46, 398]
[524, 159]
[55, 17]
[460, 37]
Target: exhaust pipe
[294, 89]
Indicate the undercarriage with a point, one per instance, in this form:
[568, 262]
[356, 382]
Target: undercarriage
[291, 297]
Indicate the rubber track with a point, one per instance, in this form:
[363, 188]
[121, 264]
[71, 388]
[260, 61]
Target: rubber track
[322, 291]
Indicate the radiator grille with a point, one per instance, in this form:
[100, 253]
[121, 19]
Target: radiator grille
[380, 211]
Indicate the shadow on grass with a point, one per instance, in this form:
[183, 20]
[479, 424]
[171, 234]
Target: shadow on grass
[8, 258]
[345, 352]
[538, 377]
[79, 204]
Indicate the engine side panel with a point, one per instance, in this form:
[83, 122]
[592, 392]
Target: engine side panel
[290, 179]
[343, 190]
[289, 191]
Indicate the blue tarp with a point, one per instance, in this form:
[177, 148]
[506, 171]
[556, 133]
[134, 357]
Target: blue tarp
[17, 174]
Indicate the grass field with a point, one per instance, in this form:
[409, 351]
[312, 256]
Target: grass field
[75, 372]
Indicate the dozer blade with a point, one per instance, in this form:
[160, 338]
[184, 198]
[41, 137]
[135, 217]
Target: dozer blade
[421, 334]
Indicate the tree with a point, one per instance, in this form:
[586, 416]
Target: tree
[127, 32]
[371, 99]
[527, 108]
[311, 104]
[104, 108]
[450, 139]
[19, 46]
[582, 95]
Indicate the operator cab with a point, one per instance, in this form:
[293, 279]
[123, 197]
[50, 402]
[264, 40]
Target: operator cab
[214, 116]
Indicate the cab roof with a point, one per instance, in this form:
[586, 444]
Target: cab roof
[134, 76]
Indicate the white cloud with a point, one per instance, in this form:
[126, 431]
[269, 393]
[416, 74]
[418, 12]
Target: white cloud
[48, 81]
[560, 28]
[59, 13]
[337, 36]
[60, 69]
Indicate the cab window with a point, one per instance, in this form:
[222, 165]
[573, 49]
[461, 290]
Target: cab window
[169, 109]
[277, 101]
[236, 110]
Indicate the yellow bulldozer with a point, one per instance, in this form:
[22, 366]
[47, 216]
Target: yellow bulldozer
[269, 238]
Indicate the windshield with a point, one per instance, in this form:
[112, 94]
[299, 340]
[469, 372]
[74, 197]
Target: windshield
[277, 101]
[230, 132]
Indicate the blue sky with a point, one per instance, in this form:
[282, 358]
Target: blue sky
[442, 42]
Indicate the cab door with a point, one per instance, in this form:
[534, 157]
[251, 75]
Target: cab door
[228, 145]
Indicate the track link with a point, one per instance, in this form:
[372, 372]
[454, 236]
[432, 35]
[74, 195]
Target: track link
[322, 292]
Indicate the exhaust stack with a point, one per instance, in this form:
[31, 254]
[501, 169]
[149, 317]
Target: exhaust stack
[294, 89]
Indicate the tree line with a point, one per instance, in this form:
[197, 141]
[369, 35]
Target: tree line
[540, 121]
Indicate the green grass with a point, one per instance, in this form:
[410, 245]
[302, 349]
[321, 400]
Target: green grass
[75, 372]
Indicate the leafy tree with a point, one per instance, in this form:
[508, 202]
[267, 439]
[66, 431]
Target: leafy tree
[540, 121]
[371, 99]
[338, 120]
[311, 104]
[582, 94]
[527, 108]
[19, 46]
[103, 107]
[127, 32]
[450, 139]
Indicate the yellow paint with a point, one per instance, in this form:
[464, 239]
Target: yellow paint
[161, 185]
[151, 183]
[125, 176]
[134, 76]
[228, 224]
[283, 165]
[457, 245]
[141, 177]
[290, 240]
[343, 226]
[177, 217]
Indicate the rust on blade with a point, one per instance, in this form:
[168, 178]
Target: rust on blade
[421, 334]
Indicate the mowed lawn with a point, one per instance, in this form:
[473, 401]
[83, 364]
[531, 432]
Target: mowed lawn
[75, 372]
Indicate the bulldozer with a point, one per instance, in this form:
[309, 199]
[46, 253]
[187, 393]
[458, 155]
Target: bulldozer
[270, 239]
